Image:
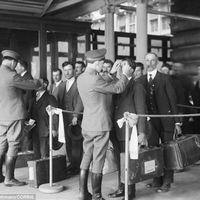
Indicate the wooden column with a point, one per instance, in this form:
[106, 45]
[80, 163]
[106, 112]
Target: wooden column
[87, 42]
[109, 33]
[72, 47]
[141, 35]
[54, 52]
[43, 51]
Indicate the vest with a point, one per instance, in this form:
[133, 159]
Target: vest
[151, 99]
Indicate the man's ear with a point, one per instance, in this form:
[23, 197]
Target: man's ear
[45, 85]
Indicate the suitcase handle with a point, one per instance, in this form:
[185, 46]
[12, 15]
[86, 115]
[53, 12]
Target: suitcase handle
[177, 136]
[197, 142]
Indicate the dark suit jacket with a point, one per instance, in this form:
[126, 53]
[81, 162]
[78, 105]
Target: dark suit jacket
[54, 90]
[41, 116]
[131, 100]
[28, 96]
[165, 97]
[73, 103]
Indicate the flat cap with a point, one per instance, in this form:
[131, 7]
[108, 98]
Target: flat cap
[10, 54]
[95, 55]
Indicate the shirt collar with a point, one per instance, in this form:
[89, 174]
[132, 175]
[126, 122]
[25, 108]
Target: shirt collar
[71, 79]
[153, 74]
[58, 83]
[22, 74]
[39, 94]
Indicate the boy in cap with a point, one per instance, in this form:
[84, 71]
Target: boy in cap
[96, 122]
[12, 114]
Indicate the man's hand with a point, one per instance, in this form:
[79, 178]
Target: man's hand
[142, 140]
[54, 133]
[127, 70]
[115, 67]
[74, 121]
[178, 130]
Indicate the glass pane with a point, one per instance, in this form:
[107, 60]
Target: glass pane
[62, 46]
[156, 43]
[123, 51]
[35, 67]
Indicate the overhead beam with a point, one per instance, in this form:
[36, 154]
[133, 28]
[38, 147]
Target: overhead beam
[86, 7]
[32, 23]
[20, 7]
[63, 5]
[46, 7]
[156, 12]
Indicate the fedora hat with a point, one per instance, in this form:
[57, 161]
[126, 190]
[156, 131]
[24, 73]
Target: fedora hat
[56, 145]
[75, 131]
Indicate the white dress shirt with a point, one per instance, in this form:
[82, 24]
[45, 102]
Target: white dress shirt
[58, 83]
[22, 74]
[69, 83]
[153, 74]
[39, 94]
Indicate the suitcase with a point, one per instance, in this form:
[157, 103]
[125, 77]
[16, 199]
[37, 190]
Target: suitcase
[182, 152]
[149, 165]
[39, 170]
[23, 158]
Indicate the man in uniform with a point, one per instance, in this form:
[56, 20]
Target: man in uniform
[96, 122]
[12, 114]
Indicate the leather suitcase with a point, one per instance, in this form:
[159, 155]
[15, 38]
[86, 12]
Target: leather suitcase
[149, 165]
[182, 152]
[39, 170]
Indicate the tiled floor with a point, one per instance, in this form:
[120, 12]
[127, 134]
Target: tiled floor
[186, 187]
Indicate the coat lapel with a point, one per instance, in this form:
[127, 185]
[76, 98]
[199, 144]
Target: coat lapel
[41, 100]
[62, 90]
[157, 81]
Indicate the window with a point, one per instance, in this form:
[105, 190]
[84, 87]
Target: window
[165, 23]
[154, 25]
[132, 28]
[122, 28]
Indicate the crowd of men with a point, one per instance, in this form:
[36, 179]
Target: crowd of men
[103, 91]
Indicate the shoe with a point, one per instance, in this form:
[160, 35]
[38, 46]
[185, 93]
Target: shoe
[86, 196]
[73, 171]
[153, 185]
[164, 188]
[117, 193]
[14, 182]
[130, 197]
[2, 178]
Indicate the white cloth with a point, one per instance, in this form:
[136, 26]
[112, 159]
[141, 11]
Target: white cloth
[61, 130]
[131, 118]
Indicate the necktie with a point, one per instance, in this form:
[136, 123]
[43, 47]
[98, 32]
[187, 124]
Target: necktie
[150, 78]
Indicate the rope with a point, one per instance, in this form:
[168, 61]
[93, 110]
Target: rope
[143, 115]
[186, 106]
[178, 115]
